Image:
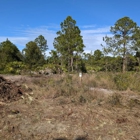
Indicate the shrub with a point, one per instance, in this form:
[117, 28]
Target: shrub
[14, 67]
[122, 81]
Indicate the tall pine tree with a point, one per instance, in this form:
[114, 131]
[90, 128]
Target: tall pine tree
[69, 44]
[122, 41]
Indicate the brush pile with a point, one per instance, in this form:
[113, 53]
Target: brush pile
[9, 91]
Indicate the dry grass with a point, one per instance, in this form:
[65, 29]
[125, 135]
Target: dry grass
[60, 107]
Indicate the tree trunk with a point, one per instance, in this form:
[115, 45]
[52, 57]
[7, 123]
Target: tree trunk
[124, 58]
[72, 64]
[124, 64]
[68, 66]
[76, 66]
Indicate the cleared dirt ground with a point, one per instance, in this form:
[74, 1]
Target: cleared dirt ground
[32, 108]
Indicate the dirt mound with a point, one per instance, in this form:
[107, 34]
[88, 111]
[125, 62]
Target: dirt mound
[9, 91]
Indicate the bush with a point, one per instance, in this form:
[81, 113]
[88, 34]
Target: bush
[128, 80]
[14, 67]
[122, 81]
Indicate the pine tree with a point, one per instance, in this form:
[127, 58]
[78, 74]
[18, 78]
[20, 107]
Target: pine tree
[69, 43]
[122, 41]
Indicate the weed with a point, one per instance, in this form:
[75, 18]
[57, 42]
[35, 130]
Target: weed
[122, 81]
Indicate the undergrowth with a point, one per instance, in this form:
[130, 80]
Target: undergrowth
[80, 91]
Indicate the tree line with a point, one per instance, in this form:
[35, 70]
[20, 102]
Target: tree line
[121, 51]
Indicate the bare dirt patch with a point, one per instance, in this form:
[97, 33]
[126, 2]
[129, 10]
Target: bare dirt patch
[50, 110]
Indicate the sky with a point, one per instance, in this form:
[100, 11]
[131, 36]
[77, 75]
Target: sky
[22, 21]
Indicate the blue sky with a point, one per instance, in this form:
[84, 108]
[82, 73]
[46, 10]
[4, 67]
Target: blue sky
[22, 21]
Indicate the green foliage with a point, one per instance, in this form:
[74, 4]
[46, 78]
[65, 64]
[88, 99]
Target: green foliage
[131, 63]
[8, 53]
[97, 55]
[94, 61]
[54, 62]
[42, 44]
[14, 67]
[112, 63]
[93, 68]
[137, 68]
[123, 39]
[33, 55]
[136, 36]
[122, 81]
[138, 57]
[68, 55]
[118, 81]
[69, 43]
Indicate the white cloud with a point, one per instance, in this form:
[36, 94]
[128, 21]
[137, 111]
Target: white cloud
[88, 26]
[33, 33]
[15, 40]
[96, 30]
[29, 34]
[92, 36]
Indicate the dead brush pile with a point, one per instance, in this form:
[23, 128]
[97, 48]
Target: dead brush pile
[9, 91]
